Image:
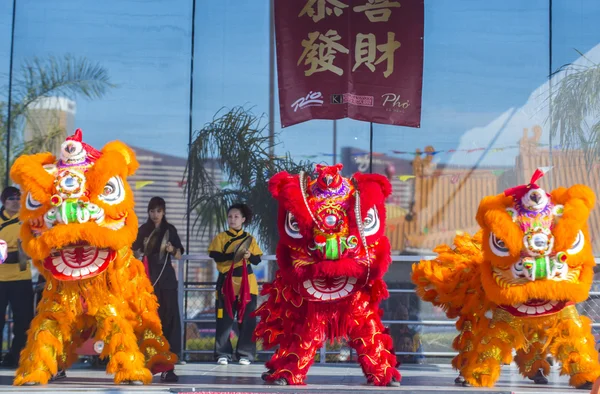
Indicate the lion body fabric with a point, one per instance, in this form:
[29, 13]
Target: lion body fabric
[332, 256]
[78, 224]
[513, 286]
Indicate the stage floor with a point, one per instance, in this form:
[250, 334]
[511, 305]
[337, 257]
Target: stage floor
[331, 378]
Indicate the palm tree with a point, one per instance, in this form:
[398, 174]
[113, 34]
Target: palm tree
[575, 109]
[38, 79]
[238, 141]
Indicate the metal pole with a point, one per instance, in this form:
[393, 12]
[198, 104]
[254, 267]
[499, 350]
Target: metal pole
[190, 129]
[334, 142]
[9, 111]
[188, 232]
[370, 147]
[550, 140]
[271, 79]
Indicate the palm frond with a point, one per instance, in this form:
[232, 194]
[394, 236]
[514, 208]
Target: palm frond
[65, 76]
[68, 76]
[237, 143]
[47, 141]
[575, 104]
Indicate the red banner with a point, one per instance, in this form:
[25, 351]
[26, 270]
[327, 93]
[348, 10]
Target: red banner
[359, 59]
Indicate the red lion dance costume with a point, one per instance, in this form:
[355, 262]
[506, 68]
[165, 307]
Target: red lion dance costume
[515, 284]
[78, 226]
[332, 256]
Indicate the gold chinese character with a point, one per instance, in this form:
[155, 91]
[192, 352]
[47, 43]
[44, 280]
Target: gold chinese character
[322, 9]
[377, 10]
[364, 52]
[321, 55]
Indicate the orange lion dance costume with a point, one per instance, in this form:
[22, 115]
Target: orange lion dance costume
[515, 285]
[78, 226]
[332, 256]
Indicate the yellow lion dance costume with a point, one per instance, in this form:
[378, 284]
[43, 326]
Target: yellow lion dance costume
[515, 284]
[78, 226]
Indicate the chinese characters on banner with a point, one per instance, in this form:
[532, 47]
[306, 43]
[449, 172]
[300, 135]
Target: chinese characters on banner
[361, 59]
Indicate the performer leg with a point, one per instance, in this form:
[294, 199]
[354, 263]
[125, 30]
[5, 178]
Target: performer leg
[84, 327]
[21, 301]
[532, 363]
[296, 353]
[223, 346]
[372, 344]
[3, 305]
[246, 347]
[51, 329]
[492, 349]
[127, 363]
[575, 350]
[146, 321]
[168, 310]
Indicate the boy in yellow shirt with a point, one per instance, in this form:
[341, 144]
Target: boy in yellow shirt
[15, 285]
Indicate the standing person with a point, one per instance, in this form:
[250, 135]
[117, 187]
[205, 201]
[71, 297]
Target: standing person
[16, 288]
[162, 274]
[240, 278]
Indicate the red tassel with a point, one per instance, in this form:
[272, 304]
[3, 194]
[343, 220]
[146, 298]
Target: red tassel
[244, 296]
[146, 266]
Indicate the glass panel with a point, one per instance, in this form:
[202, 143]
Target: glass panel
[576, 52]
[6, 8]
[485, 72]
[117, 71]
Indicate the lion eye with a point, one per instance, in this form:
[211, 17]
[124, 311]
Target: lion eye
[31, 203]
[371, 222]
[498, 246]
[578, 244]
[291, 226]
[113, 192]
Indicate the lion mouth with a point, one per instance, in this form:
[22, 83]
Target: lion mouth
[328, 289]
[77, 262]
[533, 308]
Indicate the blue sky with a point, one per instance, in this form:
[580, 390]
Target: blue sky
[481, 58]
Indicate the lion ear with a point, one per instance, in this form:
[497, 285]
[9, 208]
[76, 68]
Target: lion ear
[371, 182]
[124, 151]
[279, 181]
[30, 169]
[492, 205]
[583, 193]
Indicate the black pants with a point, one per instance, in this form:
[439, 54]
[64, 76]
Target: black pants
[246, 347]
[168, 311]
[19, 294]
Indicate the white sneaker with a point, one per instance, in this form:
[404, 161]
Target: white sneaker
[244, 361]
[222, 361]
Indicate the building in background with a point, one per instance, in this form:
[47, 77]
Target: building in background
[50, 117]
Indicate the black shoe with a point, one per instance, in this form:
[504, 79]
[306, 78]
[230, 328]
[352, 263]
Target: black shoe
[61, 374]
[280, 382]
[169, 377]
[539, 378]
[265, 375]
[585, 386]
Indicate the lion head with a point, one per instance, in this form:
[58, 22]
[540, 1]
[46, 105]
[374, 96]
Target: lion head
[331, 231]
[536, 246]
[77, 211]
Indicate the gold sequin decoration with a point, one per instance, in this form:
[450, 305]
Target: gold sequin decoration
[529, 363]
[491, 353]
